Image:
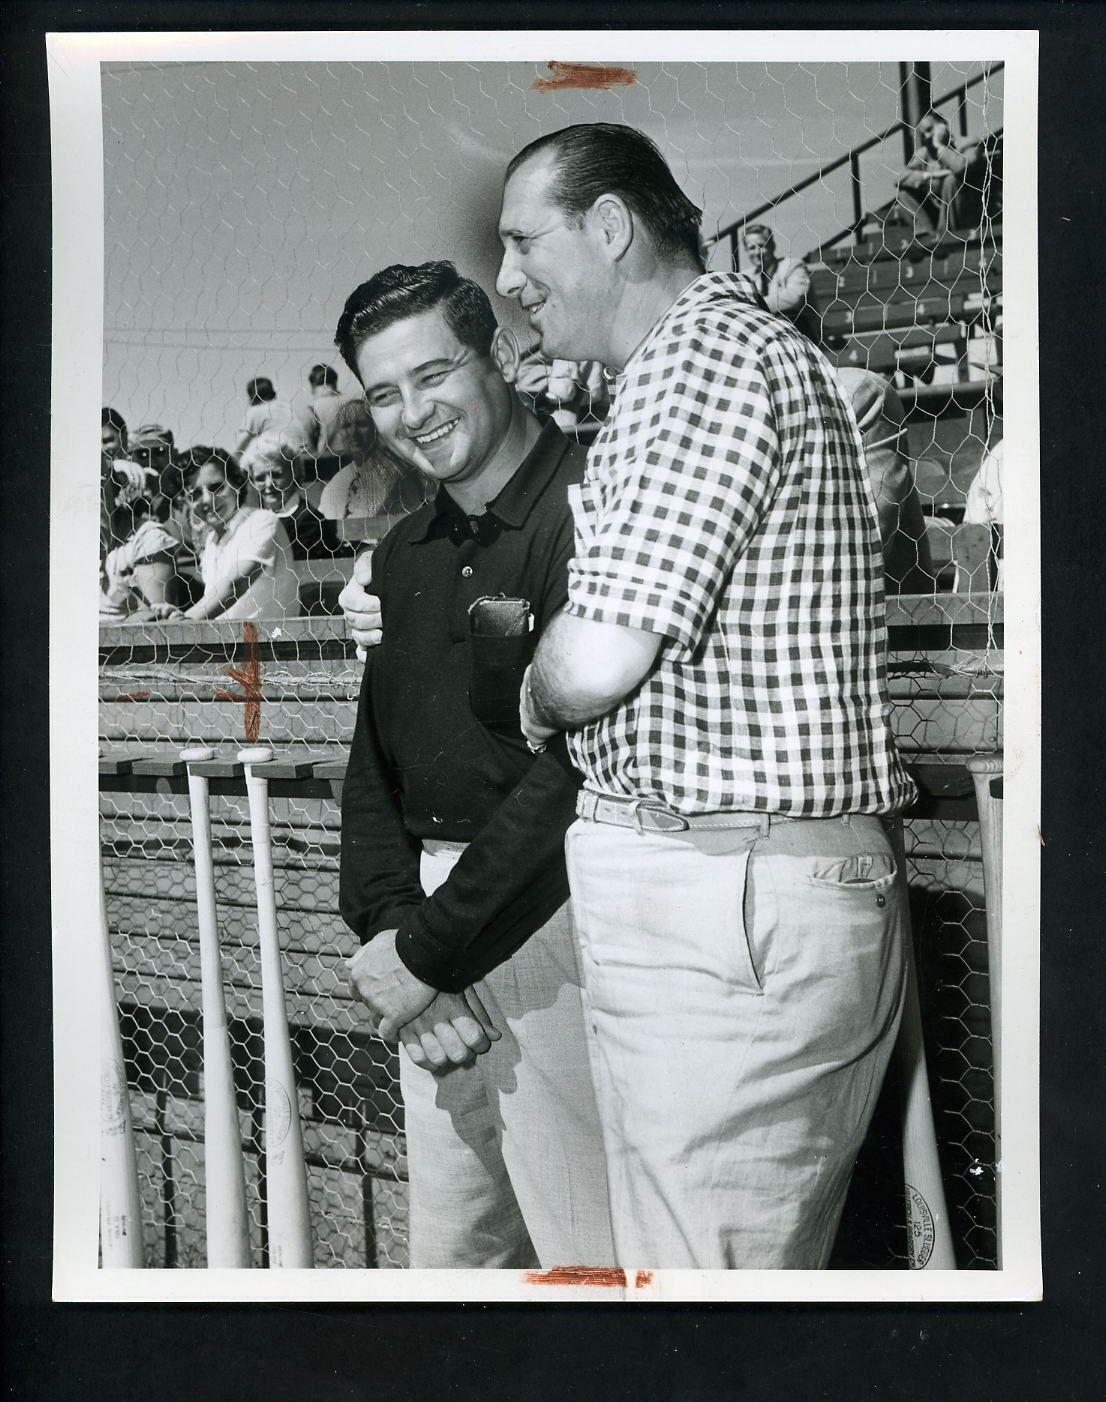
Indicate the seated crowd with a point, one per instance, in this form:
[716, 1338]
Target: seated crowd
[204, 533]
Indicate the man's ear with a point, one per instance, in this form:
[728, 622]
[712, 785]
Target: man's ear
[507, 353]
[612, 220]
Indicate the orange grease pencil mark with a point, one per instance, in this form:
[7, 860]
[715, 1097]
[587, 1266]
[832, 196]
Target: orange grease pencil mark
[131, 696]
[584, 75]
[249, 679]
[577, 1275]
[643, 1278]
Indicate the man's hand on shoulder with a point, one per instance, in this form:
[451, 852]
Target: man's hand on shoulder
[453, 1031]
[362, 609]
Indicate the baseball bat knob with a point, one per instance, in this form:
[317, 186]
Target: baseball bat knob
[255, 754]
[196, 754]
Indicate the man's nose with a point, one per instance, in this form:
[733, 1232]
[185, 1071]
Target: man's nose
[509, 280]
[416, 409]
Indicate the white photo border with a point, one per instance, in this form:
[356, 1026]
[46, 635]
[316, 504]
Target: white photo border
[78, 201]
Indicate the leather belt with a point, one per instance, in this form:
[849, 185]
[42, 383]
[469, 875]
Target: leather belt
[647, 815]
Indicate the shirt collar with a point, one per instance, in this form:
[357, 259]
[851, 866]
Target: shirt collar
[700, 292]
[515, 500]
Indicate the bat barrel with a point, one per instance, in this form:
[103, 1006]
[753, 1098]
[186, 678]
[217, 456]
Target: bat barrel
[286, 1169]
[927, 1216]
[227, 1224]
[120, 1204]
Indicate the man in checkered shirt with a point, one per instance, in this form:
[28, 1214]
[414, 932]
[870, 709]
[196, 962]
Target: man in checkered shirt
[719, 669]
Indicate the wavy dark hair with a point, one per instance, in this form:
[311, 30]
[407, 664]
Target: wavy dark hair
[199, 455]
[401, 291]
[603, 158]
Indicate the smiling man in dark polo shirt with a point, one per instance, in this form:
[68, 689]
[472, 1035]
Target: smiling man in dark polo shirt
[452, 829]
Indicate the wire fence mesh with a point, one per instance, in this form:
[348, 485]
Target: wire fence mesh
[243, 203]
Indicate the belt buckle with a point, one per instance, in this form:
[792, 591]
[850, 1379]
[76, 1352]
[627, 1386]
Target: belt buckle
[679, 824]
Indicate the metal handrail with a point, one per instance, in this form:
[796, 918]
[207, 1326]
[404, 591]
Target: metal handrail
[852, 160]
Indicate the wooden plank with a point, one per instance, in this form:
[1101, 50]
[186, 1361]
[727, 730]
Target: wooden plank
[299, 888]
[913, 610]
[153, 988]
[285, 722]
[948, 727]
[342, 689]
[173, 921]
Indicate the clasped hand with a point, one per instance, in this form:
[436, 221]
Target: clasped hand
[438, 1029]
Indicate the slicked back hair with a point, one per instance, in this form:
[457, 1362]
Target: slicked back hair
[602, 158]
[401, 291]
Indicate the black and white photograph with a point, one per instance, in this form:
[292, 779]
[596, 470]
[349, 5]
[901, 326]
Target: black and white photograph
[544, 757]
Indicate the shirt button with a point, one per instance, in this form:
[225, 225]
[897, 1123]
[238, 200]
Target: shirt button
[881, 900]
[466, 573]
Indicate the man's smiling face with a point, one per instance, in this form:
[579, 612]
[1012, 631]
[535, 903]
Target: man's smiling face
[552, 268]
[437, 403]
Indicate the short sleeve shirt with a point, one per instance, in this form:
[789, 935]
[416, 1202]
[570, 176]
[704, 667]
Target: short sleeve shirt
[253, 537]
[726, 507]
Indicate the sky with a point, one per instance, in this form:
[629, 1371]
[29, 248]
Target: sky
[245, 201]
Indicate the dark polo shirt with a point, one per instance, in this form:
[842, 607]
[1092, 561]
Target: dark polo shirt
[437, 751]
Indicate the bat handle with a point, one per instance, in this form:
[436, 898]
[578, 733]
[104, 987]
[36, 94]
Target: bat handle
[227, 1221]
[286, 1168]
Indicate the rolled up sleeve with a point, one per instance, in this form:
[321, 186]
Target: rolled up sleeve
[690, 494]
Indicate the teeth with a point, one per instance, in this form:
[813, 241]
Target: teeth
[423, 438]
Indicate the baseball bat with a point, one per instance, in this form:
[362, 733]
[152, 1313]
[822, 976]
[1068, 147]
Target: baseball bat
[227, 1228]
[984, 768]
[289, 1217]
[929, 1238]
[120, 1204]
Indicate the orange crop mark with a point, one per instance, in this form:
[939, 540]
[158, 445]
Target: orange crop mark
[248, 678]
[131, 696]
[643, 1278]
[584, 75]
[577, 1275]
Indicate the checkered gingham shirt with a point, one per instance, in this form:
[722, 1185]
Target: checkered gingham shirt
[726, 507]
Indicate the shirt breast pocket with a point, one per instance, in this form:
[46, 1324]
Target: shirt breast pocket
[500, 644]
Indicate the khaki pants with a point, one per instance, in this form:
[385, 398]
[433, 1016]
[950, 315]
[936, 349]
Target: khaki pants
[505, 1156]
[743, 992]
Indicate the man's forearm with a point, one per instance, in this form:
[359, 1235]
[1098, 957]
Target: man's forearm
[213, 604]
[582, 669]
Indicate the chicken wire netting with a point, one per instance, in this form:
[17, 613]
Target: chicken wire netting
[243, 202]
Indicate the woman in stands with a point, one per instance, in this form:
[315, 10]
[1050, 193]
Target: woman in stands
[245, 563]
[140, 563]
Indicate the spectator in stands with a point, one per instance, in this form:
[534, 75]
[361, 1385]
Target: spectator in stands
[268, 414]
[784, 283]
[985, 505]
[121, 480]
[942, 185]
[271, 472]
[573, 393]
[246, 559]
[907, 567]
[140, 570]
[372, 482]
[324, 426]
[113, 433]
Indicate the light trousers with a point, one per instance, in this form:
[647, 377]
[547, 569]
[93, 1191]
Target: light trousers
[505, 1157]
[743, 992]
